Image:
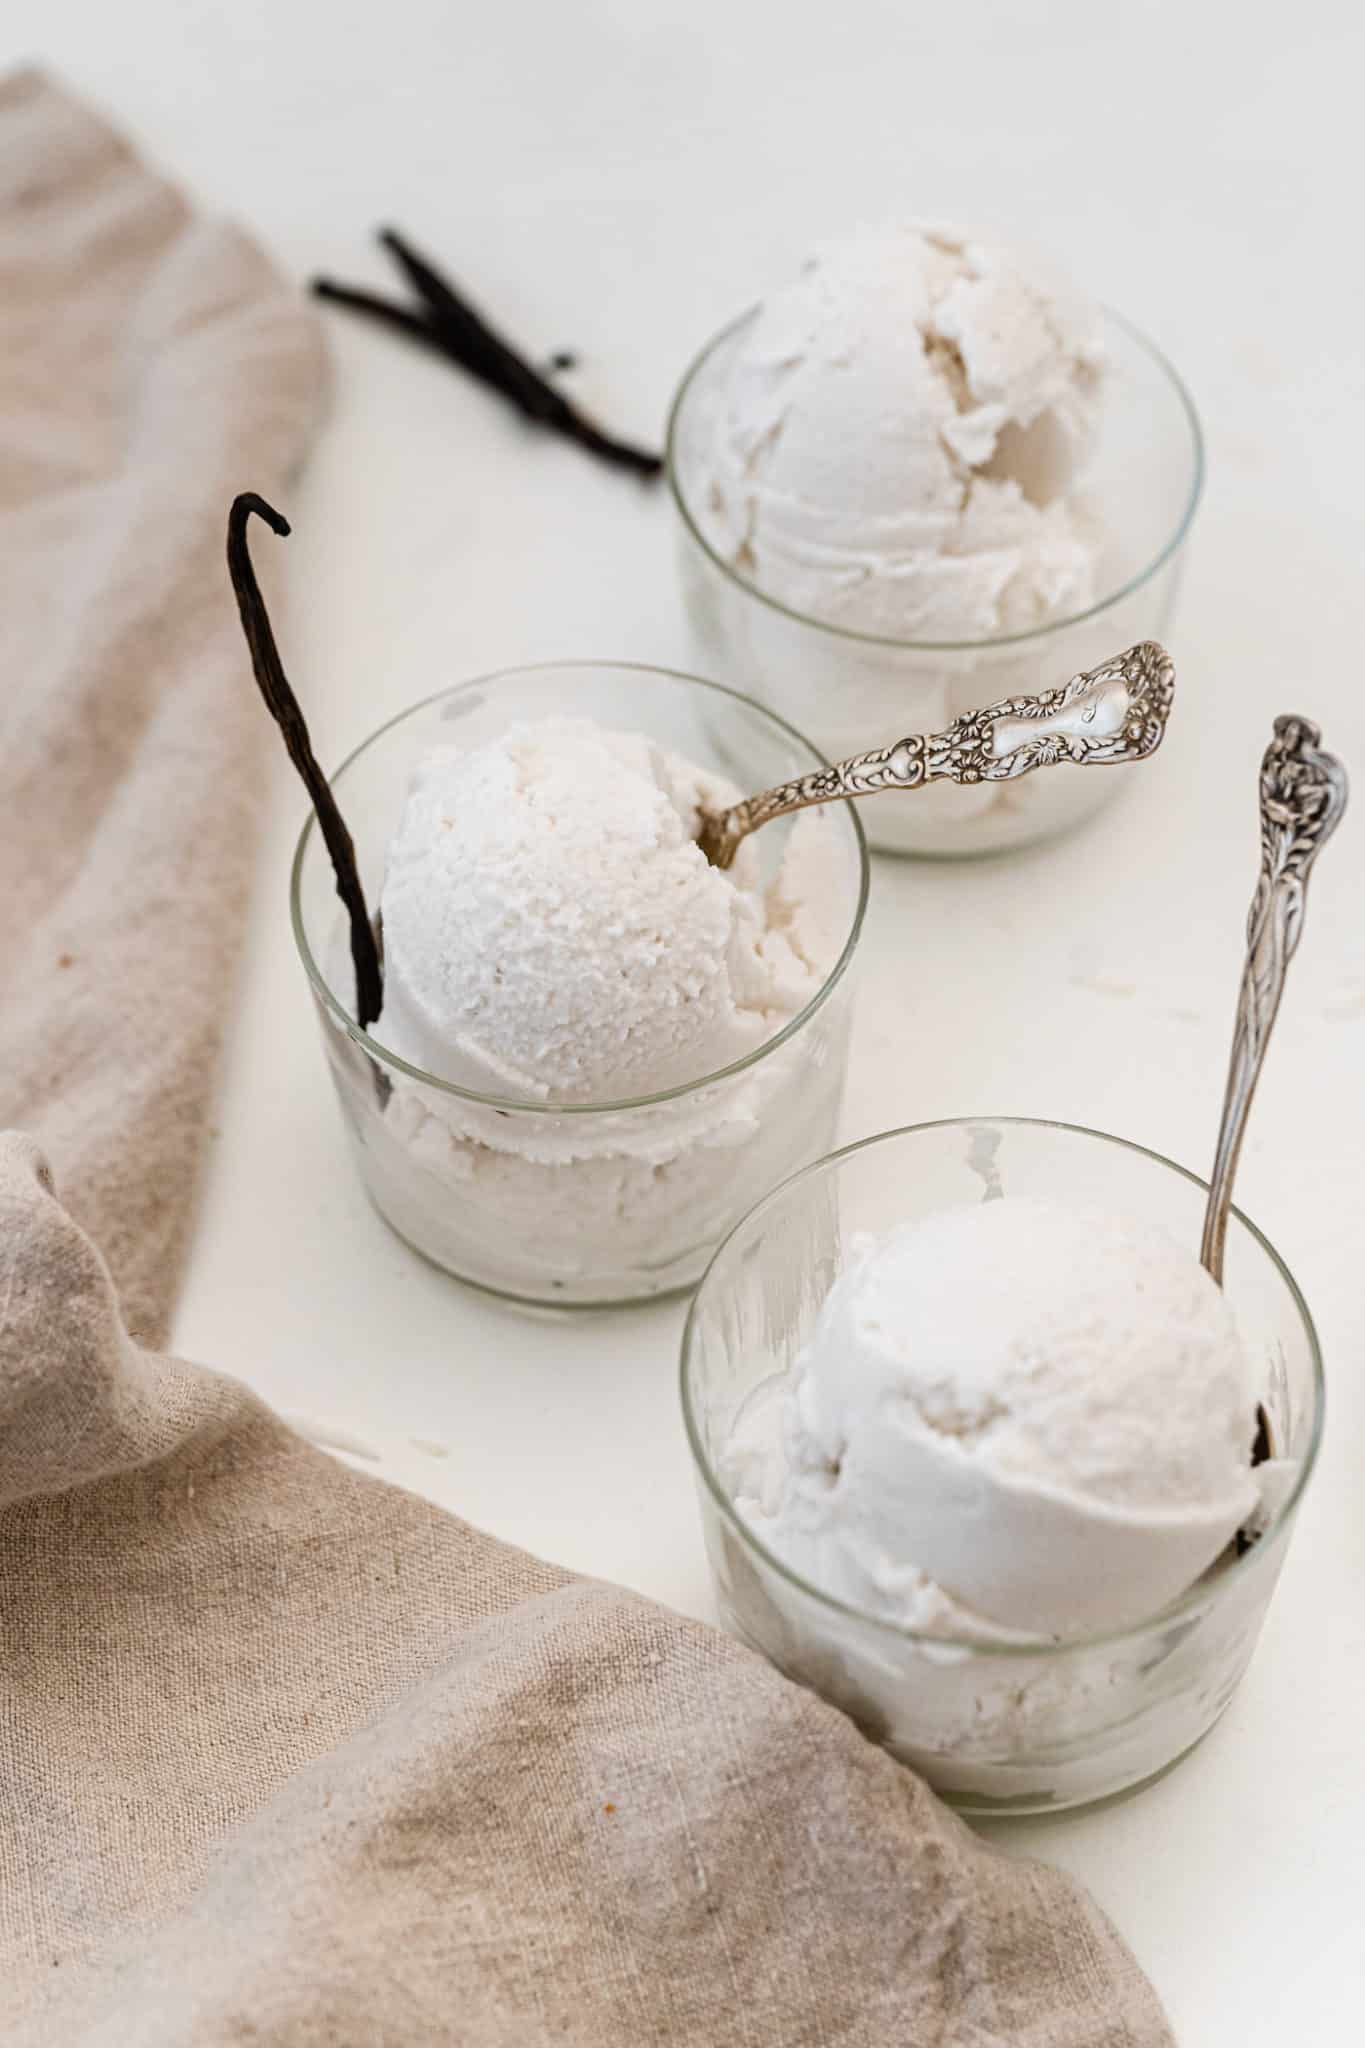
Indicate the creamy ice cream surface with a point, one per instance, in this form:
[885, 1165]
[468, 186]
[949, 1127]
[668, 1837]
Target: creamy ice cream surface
[553, 932]
[897, 440]
[554, 939]
[1014, 1421]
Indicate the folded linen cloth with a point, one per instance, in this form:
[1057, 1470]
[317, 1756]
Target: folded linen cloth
[287, 1756]
[152, 363]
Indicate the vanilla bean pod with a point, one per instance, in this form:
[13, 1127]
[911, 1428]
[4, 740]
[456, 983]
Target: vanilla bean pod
[284, 708]
[447, 322]
[415, 325]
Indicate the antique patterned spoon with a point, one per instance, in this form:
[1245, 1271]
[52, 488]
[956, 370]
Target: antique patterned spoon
[1110, 715]
[1303, 794]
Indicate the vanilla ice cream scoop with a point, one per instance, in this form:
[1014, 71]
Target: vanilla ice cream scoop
[898, 436]
[552, 930]
[1014, 1419]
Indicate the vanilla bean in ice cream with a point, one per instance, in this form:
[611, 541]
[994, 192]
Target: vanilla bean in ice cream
[1015, 1421]
[555, 940]
[889, 465]
[898, 436]
[552, 930]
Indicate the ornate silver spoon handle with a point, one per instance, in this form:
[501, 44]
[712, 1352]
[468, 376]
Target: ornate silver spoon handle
[1303, 794]
[1110, 715]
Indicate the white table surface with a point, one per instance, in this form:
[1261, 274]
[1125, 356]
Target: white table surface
[619, 176]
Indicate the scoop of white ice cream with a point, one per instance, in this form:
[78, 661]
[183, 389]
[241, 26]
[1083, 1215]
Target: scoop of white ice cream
[1012, 1418]
[551, 929]
[899, 430]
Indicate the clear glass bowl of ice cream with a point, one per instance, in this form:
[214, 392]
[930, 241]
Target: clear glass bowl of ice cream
[1031, 1590]
[594, 1051]
[925, 477]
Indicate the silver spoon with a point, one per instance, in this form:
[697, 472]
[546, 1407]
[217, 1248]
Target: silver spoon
[1110, 715]
[1303, 794]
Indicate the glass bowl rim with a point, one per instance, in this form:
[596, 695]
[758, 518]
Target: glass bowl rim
[817, 625]
[1193, 1596]
[517, 1105]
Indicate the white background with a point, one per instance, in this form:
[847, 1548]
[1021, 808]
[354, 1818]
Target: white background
[621, 178]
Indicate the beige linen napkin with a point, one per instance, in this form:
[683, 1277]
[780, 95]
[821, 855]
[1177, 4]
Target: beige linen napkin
[151, 364]
[288, 1757]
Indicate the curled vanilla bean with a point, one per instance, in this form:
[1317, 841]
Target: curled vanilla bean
[284, 708]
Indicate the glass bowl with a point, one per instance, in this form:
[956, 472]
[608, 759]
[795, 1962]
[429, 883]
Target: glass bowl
[576, 1205]
[851, 691]
[1009, 1729]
